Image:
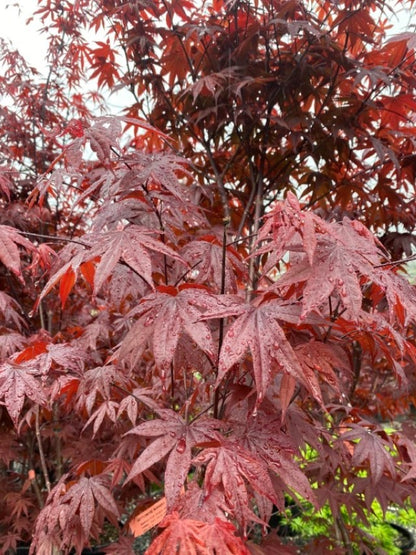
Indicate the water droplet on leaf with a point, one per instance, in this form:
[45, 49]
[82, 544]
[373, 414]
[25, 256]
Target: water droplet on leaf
[181, 445]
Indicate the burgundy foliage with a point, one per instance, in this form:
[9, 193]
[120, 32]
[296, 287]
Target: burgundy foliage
[205, 298]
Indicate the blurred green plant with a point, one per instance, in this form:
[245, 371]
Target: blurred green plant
[384, 532]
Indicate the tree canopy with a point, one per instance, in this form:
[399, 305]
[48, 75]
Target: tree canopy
[206, 316]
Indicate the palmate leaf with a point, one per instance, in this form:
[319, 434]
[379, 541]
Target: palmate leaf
[9, 308]
[264, 435]
[324, 359]
[10, 239]
[135, 210]
[18, 382]
[103, 134]
[287, 224]
[193, 503]
[186, 536]
[371, 446]
[332, 271]
[234, 469]
[64, 355]
[342, 257]
[256, 330]
[10, 342]
[205, 256]
[129, 404]
[24, 376]
[400, 297]
[71, 510]
[161, 170]
[163, 317]
[174, 436]
[132, 245]
[97, 382]
[330, 258]
[106, 409]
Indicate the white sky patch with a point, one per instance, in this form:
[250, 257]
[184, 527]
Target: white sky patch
[25, 38]
[32, 44]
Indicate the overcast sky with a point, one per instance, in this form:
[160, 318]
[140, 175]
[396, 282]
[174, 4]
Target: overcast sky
[24, 37]
[32, 44]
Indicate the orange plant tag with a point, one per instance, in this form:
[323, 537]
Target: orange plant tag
[149, 518]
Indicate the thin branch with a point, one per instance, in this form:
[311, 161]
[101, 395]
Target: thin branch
[59, 239]
[356, 366]
[219, 181]
[221, 330]
[41, 451]
[38, 494]
[180, 278]
[342, 535]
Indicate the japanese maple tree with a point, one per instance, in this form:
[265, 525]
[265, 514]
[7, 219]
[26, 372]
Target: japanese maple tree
[204, 298]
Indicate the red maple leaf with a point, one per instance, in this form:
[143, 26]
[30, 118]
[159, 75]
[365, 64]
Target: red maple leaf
[10, 308]
[18, 382]
[131, 245]
[324, 359]
[10, 342]
[336, 256]
[10, 238]
[71, 509]
[106, 409]
[205, 256]
[105, 66]
[259, 332]
[97, 382]
[372, 446]
[163, 317]
[232, 467]
[194, 503]
[160, 171]
[340, 258]
[286, 225]
[64, 355]
[264, 435]
[176, 437]
[186, 536]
